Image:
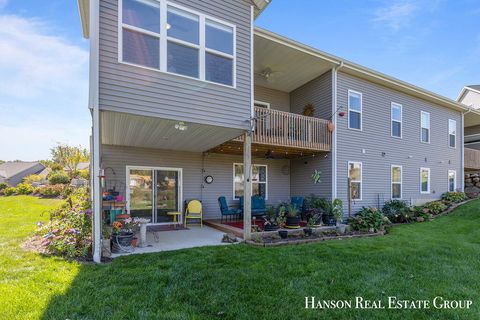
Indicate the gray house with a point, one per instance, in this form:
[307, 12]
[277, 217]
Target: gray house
[13, 172]
[186, 94]
[470, 96]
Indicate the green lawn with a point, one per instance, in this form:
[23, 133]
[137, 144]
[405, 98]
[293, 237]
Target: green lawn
[418, 261]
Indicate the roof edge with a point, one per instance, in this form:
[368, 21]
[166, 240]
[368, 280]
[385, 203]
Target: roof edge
[84, 12]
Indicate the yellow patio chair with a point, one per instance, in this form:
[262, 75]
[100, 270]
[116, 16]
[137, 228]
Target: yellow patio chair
[194, 211]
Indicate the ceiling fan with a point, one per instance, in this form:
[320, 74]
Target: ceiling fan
[268, 74]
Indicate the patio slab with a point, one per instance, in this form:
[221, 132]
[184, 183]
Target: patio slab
[195, 236]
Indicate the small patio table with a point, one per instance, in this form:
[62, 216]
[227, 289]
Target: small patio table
[175, 215]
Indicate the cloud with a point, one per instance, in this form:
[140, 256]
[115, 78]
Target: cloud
[44, 89]
[396, 15]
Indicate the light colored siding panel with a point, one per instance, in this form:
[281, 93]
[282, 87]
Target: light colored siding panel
[216, 165]
[409, 152]
[137, 90]
[279, 100]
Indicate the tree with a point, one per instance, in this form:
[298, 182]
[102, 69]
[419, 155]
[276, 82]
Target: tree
[1, 161]
[69, 157]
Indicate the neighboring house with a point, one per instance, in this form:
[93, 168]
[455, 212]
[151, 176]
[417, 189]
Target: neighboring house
[80, 166]
[177, 86]
[470, 96]
[14, 172]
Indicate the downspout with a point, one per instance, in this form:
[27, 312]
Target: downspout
[462, 155]
[334, 134]
[93, 101]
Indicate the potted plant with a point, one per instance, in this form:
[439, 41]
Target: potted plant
[311, 223]
[123, 232]
[270, 220]
[281, 220]
[337, 211]
[293, 220]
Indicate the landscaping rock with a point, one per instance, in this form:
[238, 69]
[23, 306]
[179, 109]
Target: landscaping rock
[468, 184]
[468, 180]
[420, 219]
[471, 191]
[476, 179]
[229, 238]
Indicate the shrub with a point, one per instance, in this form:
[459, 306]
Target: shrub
[9, 191]
[435, 207]
[368, 219]
[51, 190]
[3, 185]
[83, 174]
[24, 188]
[58, 177]
[397, 211]
[68, 233]
[32, 178]
[454, 197]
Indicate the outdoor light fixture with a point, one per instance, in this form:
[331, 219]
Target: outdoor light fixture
[168, 26]
[181, 126]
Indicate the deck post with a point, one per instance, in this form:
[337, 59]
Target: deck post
[247, 186]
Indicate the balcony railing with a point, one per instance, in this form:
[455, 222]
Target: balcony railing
[472, 159]
[290, 130]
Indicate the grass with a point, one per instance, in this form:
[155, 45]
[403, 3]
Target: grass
[417, 261]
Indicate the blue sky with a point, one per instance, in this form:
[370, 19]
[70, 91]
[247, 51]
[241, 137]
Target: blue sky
[434, 44]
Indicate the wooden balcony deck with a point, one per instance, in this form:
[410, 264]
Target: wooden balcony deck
[284, 135]
[472, 159]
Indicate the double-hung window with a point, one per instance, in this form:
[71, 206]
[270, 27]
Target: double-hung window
[424, 180]
[355, 176]
[452, 180]
[452, 133]
[354, 110]
[160, 35]
[425, 124]
[396, 177]
[396, 119]
[258, 179]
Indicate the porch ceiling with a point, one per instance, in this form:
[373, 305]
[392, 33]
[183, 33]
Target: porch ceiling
[290, 67]
[148, 132]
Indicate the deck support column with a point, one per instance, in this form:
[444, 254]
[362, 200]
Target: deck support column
[247, 186]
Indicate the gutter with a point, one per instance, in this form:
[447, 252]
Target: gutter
[334, 134]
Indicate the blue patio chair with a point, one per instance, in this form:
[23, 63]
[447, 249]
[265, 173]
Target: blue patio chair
[226, 211]
[299, 203]
[258, 206]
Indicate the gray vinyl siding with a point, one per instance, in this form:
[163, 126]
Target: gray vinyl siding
[368, 145]
[279, 100]
[220, 167]
[471, 98]
[137, 90]
[319, 93]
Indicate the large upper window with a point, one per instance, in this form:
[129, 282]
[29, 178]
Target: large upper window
[452, 133]
[425, 123]
[354, 110]
[424, 180]
[396, 118]
[159, 35]
[259, 180]
[355, 175]
[396, 182]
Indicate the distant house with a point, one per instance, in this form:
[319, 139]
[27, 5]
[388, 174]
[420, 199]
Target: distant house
[14, 172]
[80, 166]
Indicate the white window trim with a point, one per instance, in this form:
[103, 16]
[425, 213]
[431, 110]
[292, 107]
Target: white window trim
[455, 134]
[360, 112]
[164, 40]
[251, 182]
[400, 183]
[428, 190]
[180, 187]
[421, 127]
[398, 105]
[454, 180]
[262, 103]
[361, 177]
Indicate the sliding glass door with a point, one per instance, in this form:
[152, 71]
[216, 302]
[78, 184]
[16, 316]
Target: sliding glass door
[153, 192]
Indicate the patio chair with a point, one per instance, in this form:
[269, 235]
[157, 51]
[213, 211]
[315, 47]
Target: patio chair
[226, 211]
[194, 211]
[258, 206]
[299, 203]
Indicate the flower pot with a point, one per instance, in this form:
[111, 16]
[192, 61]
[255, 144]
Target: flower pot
[293, 222]
[283, 234]
[134, 241]
[307, 231]
[341, 227]
[270, 227]
[123, 239]
[330, 126]
[106, 248]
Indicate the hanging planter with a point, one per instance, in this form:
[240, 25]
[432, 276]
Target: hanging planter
[330, 126]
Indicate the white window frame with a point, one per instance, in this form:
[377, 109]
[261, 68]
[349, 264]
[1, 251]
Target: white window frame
[428, 190]
[360, 112]
[455, 134]
[163, 38]
[400, 183]
[361, 178]
[392, 106]
[421, 127]
[251, 182]
[454, 180]
[264, 104]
